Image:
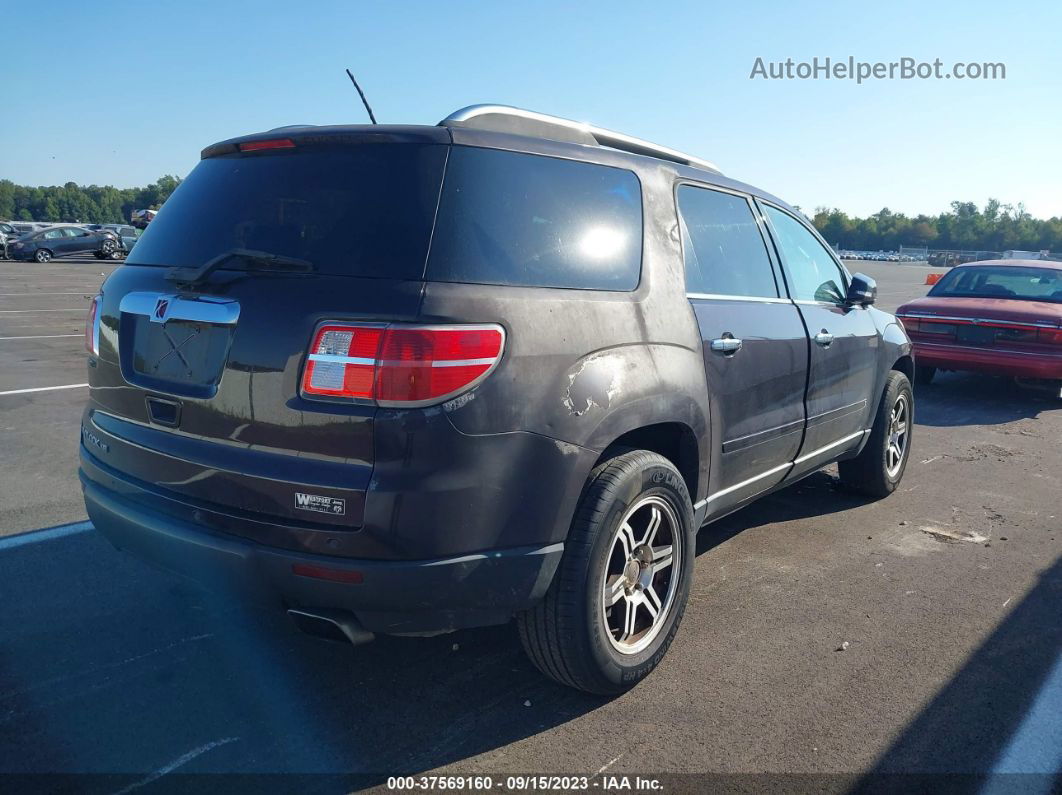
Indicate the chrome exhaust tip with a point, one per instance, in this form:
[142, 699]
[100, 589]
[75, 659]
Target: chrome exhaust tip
[330, 624]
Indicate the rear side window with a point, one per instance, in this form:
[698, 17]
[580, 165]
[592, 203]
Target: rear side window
[723, 248]
[519, 219]
[361, 210]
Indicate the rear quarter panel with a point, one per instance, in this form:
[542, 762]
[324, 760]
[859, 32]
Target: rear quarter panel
[583, 366]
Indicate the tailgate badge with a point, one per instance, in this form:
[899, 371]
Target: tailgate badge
[320, 503]
[162, 309]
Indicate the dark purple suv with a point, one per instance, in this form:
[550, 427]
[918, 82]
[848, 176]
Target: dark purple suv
[411, 379]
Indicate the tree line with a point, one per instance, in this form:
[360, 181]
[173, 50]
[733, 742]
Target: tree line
[996, 227]
[84, 204]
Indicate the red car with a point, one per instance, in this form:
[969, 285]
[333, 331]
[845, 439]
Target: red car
[1002, 317]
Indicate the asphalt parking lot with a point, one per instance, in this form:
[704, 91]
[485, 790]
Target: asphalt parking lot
[827, 637]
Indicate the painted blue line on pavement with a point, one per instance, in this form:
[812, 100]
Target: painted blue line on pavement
[47, 534]
[1036, 747]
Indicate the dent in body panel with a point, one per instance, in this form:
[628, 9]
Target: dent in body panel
[595, 383]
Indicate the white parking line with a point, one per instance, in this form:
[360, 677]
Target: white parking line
[41, 389]
[43, 337]
[48, 534]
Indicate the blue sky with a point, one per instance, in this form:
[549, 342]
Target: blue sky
[121, 93]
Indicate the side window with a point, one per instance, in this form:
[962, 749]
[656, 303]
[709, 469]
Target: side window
[520, 219]
[724, 252]
[813, 274]
[72, 232]
[52, 234]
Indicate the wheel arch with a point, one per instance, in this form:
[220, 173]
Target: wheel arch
[675, 441]
[674, 424]
[905, 364]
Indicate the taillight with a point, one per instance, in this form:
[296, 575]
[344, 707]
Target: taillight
[909, 323]
[400, 365]
[1050, 336]
[92, 328]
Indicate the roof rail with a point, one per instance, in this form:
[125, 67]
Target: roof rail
[504, 118]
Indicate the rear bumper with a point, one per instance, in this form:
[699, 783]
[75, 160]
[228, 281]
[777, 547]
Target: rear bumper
[994, 361]
[394, 597]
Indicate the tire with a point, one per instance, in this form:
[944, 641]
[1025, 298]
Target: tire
[42, 255]
[116, 254]
[108, 246]
[924, 374]
[571, 636]
[879, 468]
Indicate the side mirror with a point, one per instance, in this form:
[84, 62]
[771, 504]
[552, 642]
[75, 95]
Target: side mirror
[863, 291]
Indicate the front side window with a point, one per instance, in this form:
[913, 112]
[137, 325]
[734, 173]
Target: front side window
[52, 234]
[723, 249]
[519, 219]
[813, 274]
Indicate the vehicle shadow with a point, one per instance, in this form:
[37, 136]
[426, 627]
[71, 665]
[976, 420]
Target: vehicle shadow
[971, 399]
[998, 716]
[818, 494]
[110, 667]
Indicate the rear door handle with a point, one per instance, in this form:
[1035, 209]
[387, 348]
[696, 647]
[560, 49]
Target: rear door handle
[824, 338]
[726, 344]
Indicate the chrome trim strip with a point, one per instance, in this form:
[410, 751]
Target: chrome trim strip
[831, 445]
[779, 468]
[743, 484]
[1008, 351]
[201, 309]
[804, 302]
[757, 298]
[337, 359]
[615, 140]
[979, 320]
[456, 362]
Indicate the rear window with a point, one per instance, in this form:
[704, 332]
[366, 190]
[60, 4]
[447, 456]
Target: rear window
[1001, 281]
[354, 210]
[518, 219]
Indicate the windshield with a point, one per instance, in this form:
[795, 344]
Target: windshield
[356, 211]
[1001, 281]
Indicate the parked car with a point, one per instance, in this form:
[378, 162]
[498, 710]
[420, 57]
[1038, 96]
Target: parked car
[8, 235]
[62, 241]
[509, 370]
[126, 237]
[1001, 317]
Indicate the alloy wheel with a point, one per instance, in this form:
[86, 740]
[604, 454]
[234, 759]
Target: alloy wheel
[896, 448]
[641, 574]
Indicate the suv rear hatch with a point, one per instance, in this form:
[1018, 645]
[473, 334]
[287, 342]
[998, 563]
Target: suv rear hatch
[203, 333]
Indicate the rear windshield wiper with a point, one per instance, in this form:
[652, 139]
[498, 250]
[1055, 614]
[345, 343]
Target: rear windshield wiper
[264, 259]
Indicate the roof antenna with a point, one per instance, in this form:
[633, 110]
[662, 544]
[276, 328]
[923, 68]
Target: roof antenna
[361, 94]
